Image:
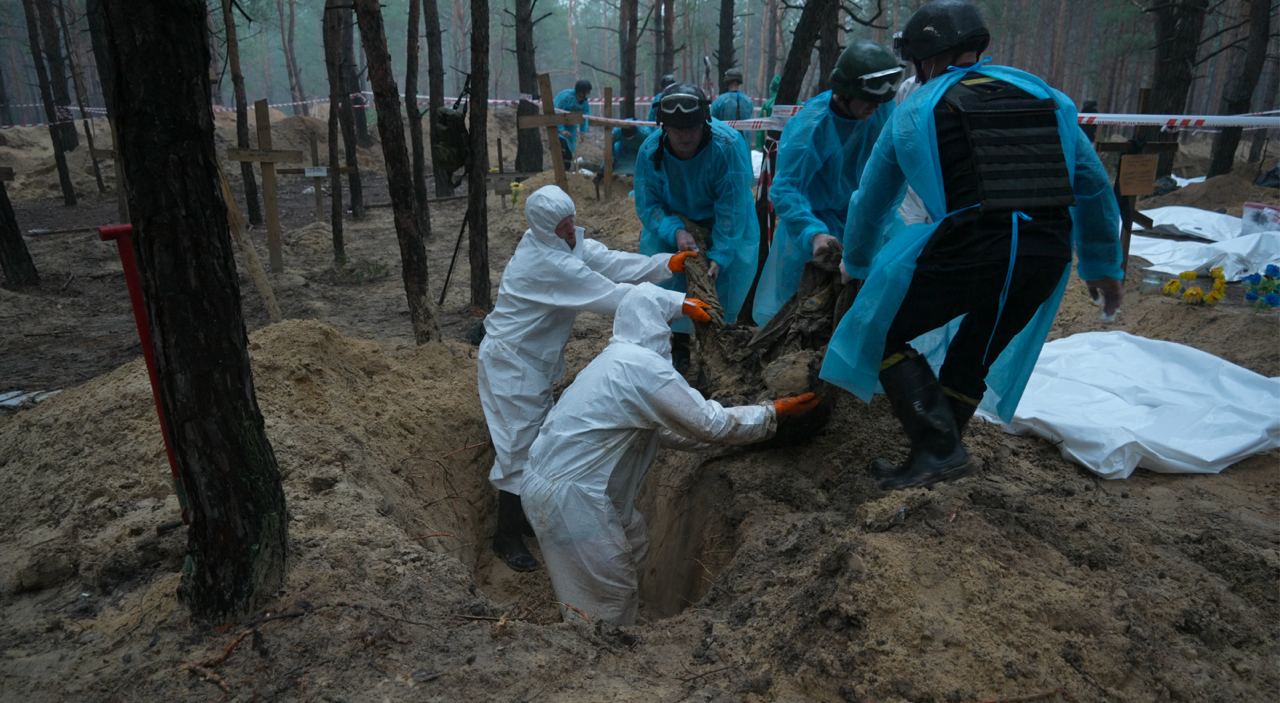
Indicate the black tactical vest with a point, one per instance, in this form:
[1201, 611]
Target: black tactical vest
[1016, 152]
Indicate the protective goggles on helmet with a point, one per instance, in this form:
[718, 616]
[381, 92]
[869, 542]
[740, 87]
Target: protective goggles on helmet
[679, 104]
[881, 85]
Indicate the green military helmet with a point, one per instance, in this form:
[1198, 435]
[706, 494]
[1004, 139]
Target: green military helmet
[866, 71]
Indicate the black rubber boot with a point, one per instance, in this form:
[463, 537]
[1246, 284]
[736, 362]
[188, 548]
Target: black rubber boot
[925, 413]
[961, 411]
[507, 540]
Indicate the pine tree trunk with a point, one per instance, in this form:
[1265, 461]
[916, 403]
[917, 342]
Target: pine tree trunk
[413, 253]
[668, 31]
[331, 36]
[571, 20]
[6, 113]
[337, 27]
[1178, 26]
[52, 45]
[478, 168]
[770, 43]
[528, 141]
[1271, 81]
[414, 115]
[15, 261]
[1239, 95]
[829, 46]
[808, 28]
[627, 27]
[435, 85]
[287, 22]
[50, 110]
[725, 58]
[242, 113]
[354, 88]
[659, 25]
[77, 81]
[228, 473]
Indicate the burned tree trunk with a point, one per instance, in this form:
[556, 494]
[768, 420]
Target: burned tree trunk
[1239, 93]
[242, 113]
[805, 36]
[351, 80]
[528, 142]
[227, 469]
[331, 29]
[50, 111]
[56, 64]
[1178, 24]
[725, 59]
[435, 86]
[478, 168]
[413, 253]
[15, 261]
[415, 117]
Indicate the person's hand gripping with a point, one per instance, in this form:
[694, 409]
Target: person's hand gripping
[696, 310]
[677, 261]
[796, 404]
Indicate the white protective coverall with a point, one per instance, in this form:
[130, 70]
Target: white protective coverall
[543, 287]
[597, 444]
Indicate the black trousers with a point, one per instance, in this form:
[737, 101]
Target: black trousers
[566, 154]
[937, 297]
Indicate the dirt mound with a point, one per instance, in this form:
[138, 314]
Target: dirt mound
[29, 151]
[1226, 193]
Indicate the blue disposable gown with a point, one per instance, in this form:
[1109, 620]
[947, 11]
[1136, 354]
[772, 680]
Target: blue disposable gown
[713, 185]
[567, 99]
[882, 250]
[625, 150]
[820, 160]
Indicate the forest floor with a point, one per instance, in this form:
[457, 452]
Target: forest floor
[774, 574]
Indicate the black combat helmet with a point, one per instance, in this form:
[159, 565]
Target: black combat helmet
[683, 105]
[944, 26]
[582, 86]
[866, 71]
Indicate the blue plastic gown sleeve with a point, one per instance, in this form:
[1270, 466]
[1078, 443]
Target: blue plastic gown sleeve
[650, 201]
[733, 205]
[586, 110]
[798, 162]
[1096, 232]
[873, 207]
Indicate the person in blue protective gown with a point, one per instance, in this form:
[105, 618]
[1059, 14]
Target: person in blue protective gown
[626, 144]
[1013, 188]
[668, 80]
[820, 159]
[733, 104]
[700, 169]
[572, 100]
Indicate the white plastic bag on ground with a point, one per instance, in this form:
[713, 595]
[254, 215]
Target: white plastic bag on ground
[1216, 226]
[1238, 257]
[1114, 402]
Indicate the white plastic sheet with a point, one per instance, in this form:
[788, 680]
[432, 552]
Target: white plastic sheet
[1238, 255]
[1115, 402]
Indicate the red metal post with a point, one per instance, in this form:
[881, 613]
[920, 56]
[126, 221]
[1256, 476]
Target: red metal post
[122, 235]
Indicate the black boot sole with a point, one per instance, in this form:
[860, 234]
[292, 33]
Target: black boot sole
[515, 555]
[928, 478]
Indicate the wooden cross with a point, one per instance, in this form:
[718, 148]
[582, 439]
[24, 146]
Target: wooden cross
[1135, 176]
[550, 120]
[317, 172]
[267, 158]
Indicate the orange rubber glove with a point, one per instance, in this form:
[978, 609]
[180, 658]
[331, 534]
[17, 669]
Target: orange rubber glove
[676, 264]
[796, 404]
[697, 310]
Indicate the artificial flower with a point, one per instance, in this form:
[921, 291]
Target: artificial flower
[1194, 295]
[1272, 271]
[1251, 296]
[1188, 275]
[1273, 299]
[1217, 273]
[1172, 287]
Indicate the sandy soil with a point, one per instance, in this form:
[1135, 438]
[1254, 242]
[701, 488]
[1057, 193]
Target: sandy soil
[775, 574]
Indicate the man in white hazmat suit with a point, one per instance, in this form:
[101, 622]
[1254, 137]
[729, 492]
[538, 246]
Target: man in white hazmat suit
[554, 273]
[597, 444]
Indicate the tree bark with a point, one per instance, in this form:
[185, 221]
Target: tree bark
[52, 46]
[725, 58]
[627, 27]
[669, 32]
[77, 81]
[6, 113]
[337, 30]
[829, 46]
[435, 85]
[1272, 83]
[413, 253]
[659, 36]
[571, 20]
[242, 113]
[50, 111]
[478, 169]
[287, 22]
[805, 36]
[414, 115]
[15, 261]
[228, 474]
[528, 142]
[1239, 94]
[331, 36]
[354, 88]
[1177, 24]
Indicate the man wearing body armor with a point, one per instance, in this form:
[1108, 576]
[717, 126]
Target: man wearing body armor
[1012, 188]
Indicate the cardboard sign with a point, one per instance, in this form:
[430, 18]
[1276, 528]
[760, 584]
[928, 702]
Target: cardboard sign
[1138, 174]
